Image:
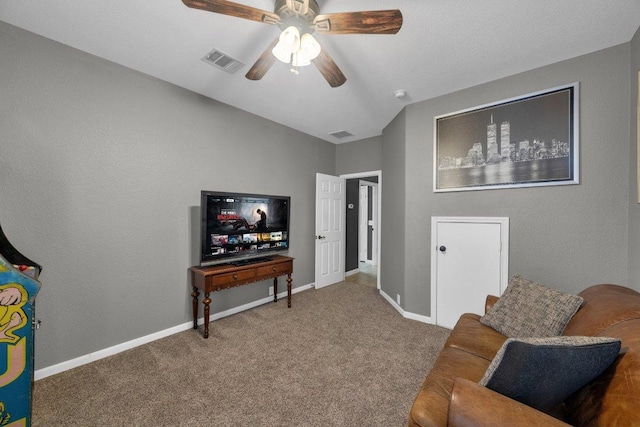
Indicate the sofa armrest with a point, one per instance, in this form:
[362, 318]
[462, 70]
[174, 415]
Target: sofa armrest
[474, 405]
[491, 299]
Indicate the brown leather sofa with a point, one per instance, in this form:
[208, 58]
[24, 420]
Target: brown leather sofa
[451, 396]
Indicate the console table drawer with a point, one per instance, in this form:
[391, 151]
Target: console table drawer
[229, 280]
[277, 269]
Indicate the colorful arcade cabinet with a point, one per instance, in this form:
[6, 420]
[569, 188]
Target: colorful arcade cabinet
[19, 286]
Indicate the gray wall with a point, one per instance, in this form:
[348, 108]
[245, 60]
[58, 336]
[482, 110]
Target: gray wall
[359, 156]
[101, 172]
[568, 237]
[394, 205]
[634, 207]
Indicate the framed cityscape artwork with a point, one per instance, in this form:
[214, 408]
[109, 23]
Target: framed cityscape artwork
[527, 141]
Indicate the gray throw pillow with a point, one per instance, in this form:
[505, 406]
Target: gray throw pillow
[543, 372]
[529, 309]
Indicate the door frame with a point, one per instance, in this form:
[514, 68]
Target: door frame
[504, 252]
[363, 214]
[376, 227]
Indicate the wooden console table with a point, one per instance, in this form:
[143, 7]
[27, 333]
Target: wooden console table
[225, 276]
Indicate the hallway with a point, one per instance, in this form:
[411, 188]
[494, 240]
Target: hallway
[367, 275]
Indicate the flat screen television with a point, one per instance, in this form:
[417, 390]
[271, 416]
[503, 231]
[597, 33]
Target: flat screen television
[237, 227]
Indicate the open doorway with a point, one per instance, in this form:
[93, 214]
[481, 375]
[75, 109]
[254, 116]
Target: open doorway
[367, 224]
[362, 245]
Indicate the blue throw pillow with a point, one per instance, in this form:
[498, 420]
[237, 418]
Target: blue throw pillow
[543, 372]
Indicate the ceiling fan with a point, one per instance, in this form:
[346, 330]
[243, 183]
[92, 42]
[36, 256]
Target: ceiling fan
[298, 19]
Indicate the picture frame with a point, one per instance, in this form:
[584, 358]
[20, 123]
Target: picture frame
[525, 141]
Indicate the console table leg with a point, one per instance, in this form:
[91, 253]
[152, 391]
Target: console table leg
[206, 301]
[195, 295]
[275, 289]
[289, 290]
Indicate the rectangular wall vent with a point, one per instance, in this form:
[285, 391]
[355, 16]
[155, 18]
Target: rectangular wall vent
[340, 134]
[222, 61]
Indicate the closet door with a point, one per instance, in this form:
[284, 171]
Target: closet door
[469, 262]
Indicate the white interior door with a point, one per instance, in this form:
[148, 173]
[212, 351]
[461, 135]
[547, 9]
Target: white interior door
[469, 261]
[330, 229]
[363, 229]
[374, 224]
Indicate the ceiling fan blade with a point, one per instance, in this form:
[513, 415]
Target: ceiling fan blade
[234, 9]
[365, 22]
[329, 70]
[264, 63]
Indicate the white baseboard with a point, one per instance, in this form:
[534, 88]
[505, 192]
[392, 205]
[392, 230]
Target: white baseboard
[406, 314]
[100, 354]
[392, 302]
[419, 317]
[352, 272]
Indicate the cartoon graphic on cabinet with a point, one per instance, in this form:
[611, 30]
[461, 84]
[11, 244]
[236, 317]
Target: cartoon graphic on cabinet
[19, 286]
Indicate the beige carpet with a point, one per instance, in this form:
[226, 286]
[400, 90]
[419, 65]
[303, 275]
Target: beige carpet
[340, 356]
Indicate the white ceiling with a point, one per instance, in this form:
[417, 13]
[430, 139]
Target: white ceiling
[443, 46]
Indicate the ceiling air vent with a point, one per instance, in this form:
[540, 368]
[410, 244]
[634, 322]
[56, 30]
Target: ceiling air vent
[340, 134]
[223, 61]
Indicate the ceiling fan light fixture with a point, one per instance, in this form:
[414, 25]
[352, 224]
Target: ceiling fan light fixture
[281, 54]
[288, 44]
[295, 50]
[309, 46]
[290, 39]
[299, 59]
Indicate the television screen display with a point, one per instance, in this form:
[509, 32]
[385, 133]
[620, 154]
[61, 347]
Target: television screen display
[241, 226]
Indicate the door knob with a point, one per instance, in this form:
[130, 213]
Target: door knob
[443, 249]
[321, 237]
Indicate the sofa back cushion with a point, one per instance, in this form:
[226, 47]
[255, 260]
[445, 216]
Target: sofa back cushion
[613, 398]
[602, 307]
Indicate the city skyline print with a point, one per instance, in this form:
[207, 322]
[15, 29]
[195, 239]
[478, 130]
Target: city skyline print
[527, 141]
